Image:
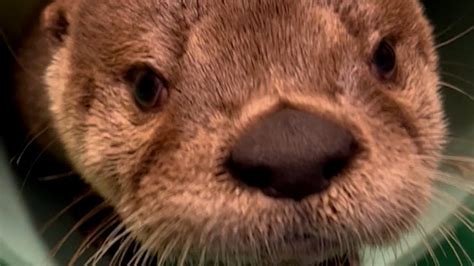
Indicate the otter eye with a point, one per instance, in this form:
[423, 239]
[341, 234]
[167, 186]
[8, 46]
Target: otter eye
[384, 59]
[149, 89]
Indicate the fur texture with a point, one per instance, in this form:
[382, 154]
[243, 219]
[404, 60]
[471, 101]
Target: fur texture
[229, 63]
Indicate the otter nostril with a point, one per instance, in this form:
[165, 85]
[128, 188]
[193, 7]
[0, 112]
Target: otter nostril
[257, 176]
[334, 166]
[291, 154]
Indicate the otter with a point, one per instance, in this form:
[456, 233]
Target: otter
[261, 132]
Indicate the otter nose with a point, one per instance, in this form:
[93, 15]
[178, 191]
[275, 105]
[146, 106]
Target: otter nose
[291, 154]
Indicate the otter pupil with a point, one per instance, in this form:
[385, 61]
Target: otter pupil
[384, 59]
[148, 89]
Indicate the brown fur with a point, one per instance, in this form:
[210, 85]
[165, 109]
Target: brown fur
[229, 63]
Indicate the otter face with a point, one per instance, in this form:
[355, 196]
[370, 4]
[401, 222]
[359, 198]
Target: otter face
[262, 130]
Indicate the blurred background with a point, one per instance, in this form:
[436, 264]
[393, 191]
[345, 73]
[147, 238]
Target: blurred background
[25, 207]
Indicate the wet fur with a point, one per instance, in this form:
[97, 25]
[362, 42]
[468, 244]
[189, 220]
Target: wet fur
[229, 63]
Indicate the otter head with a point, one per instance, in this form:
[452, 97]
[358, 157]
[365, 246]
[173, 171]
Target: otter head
[268, 131]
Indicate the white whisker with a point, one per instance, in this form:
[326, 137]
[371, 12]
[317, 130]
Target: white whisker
[424, 239]
[83, 220]
[456, 241]
[414, 260]
[457, 64]
[458, 158]
[448, 28]
[455, 38]
[113, 237]
[93, 236]
[63, 211]
[55, 177]
[185, 252]
[32, 140]
[458, 78]
[149, 255]
[455, 88]
[202, 257]
[442, 231]
[167, 251]
[122, 250]
[23, 185]
[444, 196]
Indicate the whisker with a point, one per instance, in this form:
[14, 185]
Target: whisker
[34, 163]
[457, 214]
[454, 180]
[442, 196]
[122, 250]
[167, 251]
[450, 86]
[64, 210]
[202, 257]
[461, 165]
[138, 255]
[55, 177]
[367, 255]
[405, 223]
[340, 240]
[440, 246]
[93, 236]
[185, 252]
[460, 186]
[116, 235]
[457, 64]
[157, 236]
[464, 220]
[394, 248]
[143, 258]
[32, 140]
[456, 241]
[16, 58]
[216, 258]
[458, 78]
[374, 255]
[442, 231]
[469, 141]
[414, 260]
[458, 158]
[83, 220]
[427, 245]
[448, 28]
[113, 237]
[148, 256]
[455, 38]
[422, 232]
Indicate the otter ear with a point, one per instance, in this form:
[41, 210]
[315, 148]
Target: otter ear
[55, 20]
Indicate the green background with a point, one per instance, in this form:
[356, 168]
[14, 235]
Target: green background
[456, 58]
[19, 217]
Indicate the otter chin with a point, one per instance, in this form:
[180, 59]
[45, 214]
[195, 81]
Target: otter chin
[235, 132]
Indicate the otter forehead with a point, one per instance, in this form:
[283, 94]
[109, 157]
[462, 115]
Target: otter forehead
[125, 32]
[244, 47]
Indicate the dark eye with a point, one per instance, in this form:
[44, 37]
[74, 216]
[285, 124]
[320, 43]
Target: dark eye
[384, 59]
[149, 89]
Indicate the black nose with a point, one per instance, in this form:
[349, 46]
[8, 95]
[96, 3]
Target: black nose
[292, 154]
